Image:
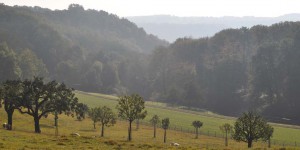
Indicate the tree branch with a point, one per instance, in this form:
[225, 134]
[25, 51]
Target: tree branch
[25, 112]
[45, 112]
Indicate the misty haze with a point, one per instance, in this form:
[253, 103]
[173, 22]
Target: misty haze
[83, 77]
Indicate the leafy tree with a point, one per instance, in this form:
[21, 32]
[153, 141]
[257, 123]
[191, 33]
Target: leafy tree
[154, 121]
[197, 125]
[39, 99]
[265, 76]
[268, 134]
[165, 125]
[31, 65]
[106, 118]
[81, 110]
[226, 128]
[62, 105]
[93, 114]
[12, 90]
[9, 68]
[131, 108]
[251, 127]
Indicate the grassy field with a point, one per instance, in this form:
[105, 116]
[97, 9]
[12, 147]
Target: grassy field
[182, 119]
[23, 136]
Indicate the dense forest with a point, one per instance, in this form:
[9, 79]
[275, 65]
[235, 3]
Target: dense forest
[233, 71]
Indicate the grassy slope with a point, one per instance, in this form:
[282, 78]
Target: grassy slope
[22, 136]
[183, 119]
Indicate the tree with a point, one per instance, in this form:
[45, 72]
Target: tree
[31, 65]
[62, 105]
[154, 121]
[268, 134]
[165, 125]
[226, 128]
[106, 118]
[39, 99]
[12, 90]
[197, 125]
[1, 94]
[265, 77]
[80, 111]
[251, 127]
[131, 108]
[93, 114]
[9, 68]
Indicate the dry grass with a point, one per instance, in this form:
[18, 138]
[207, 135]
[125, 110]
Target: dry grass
[23, 137]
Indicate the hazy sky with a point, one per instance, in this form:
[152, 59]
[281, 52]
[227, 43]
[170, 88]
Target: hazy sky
[216, 8]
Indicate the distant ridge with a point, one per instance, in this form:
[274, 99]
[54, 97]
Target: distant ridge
[172, 27]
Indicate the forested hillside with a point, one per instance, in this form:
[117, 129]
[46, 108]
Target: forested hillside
[233, 71]
[87, 49]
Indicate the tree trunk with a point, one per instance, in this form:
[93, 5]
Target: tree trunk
[226, 139]
[55, 119]
[269, 143]
[137, 124]
[196, 133]
[102, 130]
[9, 119]
[249, 143]
[154, 133]
[94, 125]
[56, 123]
[129, 131]
[165, 136]
[37, 124]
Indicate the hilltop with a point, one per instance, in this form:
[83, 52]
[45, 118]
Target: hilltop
[172, 27]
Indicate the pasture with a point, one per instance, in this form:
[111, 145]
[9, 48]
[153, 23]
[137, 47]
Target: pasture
[23, 137]
[181, 119]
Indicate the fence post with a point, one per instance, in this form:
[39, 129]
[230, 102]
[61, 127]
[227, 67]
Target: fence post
[215, 134]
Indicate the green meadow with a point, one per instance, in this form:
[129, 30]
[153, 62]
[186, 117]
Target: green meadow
[23, 137]
[182, 118]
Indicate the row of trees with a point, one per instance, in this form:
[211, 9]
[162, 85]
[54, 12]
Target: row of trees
[248, 128]
[39, 99]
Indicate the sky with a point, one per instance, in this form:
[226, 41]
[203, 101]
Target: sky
[182, 8]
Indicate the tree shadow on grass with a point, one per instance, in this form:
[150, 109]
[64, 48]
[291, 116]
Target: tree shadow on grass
[88, 130]
[47, 126]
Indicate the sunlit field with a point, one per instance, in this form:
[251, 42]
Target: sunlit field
[23, 137]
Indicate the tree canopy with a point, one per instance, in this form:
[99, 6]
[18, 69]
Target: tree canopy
[131, 108]
[38, 99]
[251, 127]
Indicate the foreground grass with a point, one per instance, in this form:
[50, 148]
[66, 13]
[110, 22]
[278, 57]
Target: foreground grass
[22, 137]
